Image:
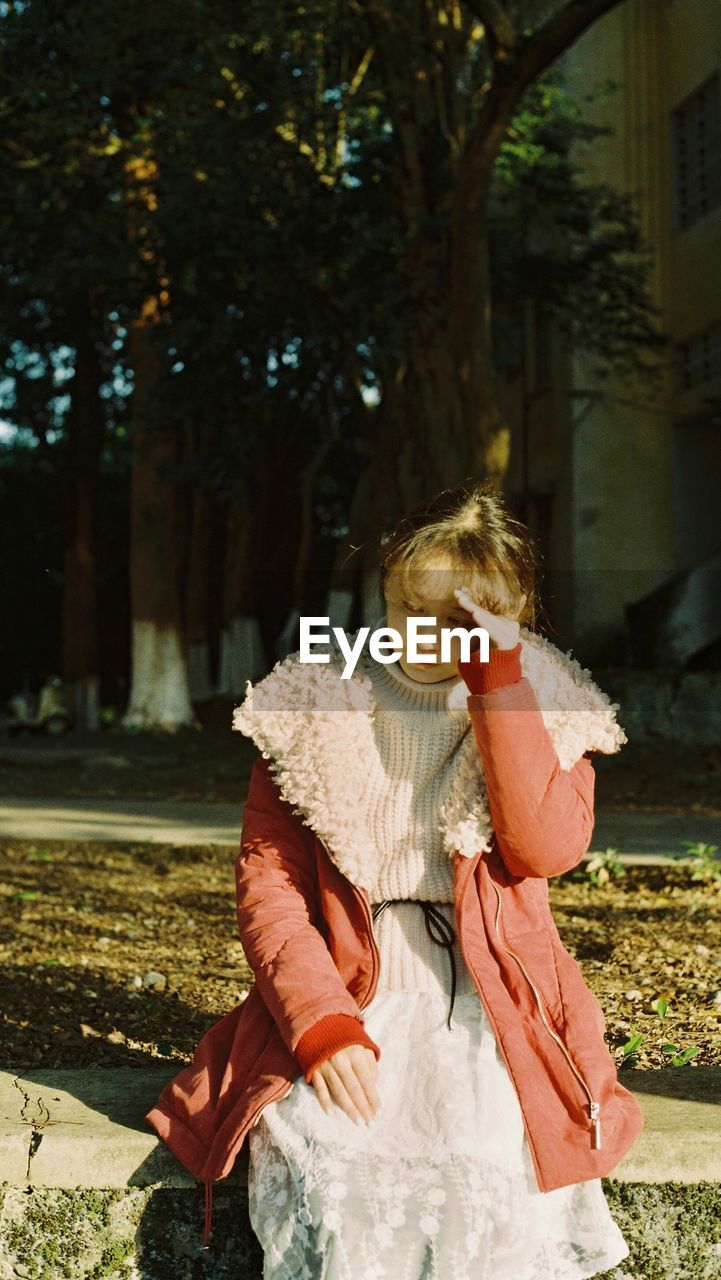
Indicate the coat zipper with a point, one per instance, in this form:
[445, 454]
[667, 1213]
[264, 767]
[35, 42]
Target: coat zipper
[593, 1106]
[376, 952]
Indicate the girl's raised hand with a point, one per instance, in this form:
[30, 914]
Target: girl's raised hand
[348, 1078]
[503, 632]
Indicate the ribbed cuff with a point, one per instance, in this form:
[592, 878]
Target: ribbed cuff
[503, 667]
[333, 1032]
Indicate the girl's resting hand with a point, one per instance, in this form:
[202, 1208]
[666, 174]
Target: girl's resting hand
[348, 1078]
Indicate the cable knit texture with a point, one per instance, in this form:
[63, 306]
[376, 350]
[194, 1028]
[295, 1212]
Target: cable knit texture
[417, 737]
[386, 771]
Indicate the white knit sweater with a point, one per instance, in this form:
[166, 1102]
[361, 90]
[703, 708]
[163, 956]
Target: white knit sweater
[417, 738]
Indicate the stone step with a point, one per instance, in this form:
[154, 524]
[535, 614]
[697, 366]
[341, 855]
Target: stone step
[89, 1190]
[94, 1134]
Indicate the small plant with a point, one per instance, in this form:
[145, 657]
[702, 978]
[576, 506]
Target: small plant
[705, 865]
[601, 866]
[629, 1049]
[679, 1057]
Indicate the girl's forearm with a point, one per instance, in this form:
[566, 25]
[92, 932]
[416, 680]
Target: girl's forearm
[542, 815]
[295, 973]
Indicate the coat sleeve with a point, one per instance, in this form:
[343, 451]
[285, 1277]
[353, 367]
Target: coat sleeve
[276, 904]
[542, 815]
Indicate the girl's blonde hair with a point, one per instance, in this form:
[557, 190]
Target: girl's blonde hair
[462, 537]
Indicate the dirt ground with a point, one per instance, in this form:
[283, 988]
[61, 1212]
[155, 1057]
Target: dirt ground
[84, 924]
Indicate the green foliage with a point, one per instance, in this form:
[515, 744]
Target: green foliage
[705, 864]
[600, 868]
[268, 231]
[62, 1235]
[278, 186]
[573, 243]
[678, 1057]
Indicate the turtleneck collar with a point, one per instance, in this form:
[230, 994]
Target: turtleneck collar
[430, 696]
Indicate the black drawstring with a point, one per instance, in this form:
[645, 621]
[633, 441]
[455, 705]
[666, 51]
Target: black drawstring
[432, 914]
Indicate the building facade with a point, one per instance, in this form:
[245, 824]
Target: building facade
[623, 486]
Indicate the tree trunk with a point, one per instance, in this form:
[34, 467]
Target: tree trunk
[159, 693]
[242, 654]
[470, 342]
[374, 504]
[196, 598]
[84, 429]
[449, 122]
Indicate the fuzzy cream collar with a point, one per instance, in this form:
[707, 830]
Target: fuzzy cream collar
[317, 730]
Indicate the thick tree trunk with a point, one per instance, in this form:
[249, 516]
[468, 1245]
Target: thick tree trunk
[448, 130]
[242, 654]
[374, 504]
[159, 693]
[84, 428]
[445, 424]
[448, 426]
[470, 340]
[196, 597]
[303, 567]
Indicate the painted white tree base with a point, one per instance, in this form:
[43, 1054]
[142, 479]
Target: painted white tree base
[197, 657]
[241, 656]
[374, 603]
[159, 694]
[338, 607]
[285, 641]
[86, 701]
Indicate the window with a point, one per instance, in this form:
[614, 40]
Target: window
[696, 129]
[699, 358]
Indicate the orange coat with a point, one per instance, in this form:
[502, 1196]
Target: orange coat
[307, 933]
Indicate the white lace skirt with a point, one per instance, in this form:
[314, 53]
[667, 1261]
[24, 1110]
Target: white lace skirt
[441, 1184]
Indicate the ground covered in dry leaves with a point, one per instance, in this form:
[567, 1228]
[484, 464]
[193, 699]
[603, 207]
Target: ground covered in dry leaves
[124, 954]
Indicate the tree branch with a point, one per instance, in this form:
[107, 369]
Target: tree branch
[536, 53]
[500, 31]
[522, 65]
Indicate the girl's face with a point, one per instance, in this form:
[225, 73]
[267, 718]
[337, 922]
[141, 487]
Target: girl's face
[447, 613]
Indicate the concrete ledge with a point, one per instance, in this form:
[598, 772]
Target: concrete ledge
[90, 1193]
[87, 1128]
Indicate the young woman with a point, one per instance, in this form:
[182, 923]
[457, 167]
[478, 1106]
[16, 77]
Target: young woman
[420, 1067]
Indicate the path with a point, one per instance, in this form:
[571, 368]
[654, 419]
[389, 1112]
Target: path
[639, 837]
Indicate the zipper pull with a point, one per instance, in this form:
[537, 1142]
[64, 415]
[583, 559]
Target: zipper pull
[595, 1110]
